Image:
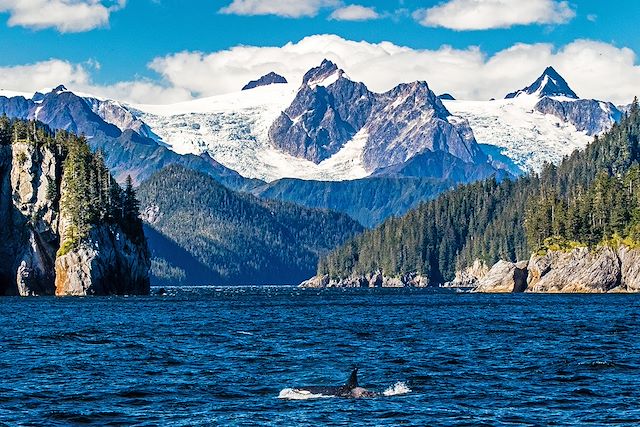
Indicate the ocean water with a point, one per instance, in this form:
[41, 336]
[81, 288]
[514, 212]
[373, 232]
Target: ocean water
[230, 356]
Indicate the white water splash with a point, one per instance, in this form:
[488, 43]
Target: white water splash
[295, 394]
[397, 389]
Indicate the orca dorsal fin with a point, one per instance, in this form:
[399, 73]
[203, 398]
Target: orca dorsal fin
[352, 382]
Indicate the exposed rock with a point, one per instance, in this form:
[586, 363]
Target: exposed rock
[330, 110]
[446, 97]
[630, 269]
[375, 280]
[470, 276]
[325, 114]
[504, 277]
[106, 263]
[30, 236]
[579, 271]
[266, 80]
[587, 115]
[410, 120]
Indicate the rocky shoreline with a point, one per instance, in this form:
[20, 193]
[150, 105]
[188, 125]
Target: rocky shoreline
[375, 280]
[581, 270]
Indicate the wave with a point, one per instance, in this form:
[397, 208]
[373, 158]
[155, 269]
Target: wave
[397, 389]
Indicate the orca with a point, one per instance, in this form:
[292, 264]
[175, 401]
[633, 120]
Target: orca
[349, 389]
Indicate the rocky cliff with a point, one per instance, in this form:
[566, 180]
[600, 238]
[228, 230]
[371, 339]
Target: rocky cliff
[581, 270]
[32, 174]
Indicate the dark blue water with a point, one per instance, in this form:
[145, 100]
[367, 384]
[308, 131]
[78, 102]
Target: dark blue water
[221, 357]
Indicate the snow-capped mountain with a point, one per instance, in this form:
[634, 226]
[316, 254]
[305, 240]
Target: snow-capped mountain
[113, 129]
[550, 83]
[329, 128]
[543, 122]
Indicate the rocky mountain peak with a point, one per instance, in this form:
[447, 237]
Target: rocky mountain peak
[266, 80]
[415, 95]
[550, 83]
[324, 75]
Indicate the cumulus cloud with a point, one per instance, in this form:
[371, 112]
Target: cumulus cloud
[463, 15]
[284, 8]
[66, 16]
[354, 13]
[593, 69]
[45, 74]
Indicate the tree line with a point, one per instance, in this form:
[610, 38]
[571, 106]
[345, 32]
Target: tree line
[488, 220]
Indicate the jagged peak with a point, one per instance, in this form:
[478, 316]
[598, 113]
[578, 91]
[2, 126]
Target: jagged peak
[266, 80]
[550, 83]
[59, 89]
[324, 75]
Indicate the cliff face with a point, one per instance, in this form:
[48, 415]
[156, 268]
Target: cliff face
[580, 270]
[105, 262]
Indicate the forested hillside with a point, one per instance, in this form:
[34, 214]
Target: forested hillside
[486, 220]
[203, 233]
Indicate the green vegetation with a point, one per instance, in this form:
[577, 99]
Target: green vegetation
[486, 220]
[607, 211]
[219, 236]
[86, 192]
[91, 196]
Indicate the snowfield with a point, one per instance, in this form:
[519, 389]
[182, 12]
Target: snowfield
[529, 138]
[233, 129]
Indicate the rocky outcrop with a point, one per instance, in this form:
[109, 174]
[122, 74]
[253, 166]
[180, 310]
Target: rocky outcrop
[31, 177]
[580, 270]
[470, 276]
[587, 115]
[29, 216]
[107, 262]
[504, 277]
[375, 280]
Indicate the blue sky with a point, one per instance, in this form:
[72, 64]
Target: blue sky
[136, 32]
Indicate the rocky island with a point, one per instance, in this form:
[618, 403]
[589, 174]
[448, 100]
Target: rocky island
[67, 227]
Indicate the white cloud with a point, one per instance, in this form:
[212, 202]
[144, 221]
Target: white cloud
[67, 16]
[593, 69]
[354, 13]
[463, 15]
[46, 74]
[284, 8]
